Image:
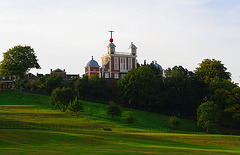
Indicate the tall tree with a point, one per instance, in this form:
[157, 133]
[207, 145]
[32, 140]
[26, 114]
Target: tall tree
[82, 87]
[182, 91]
[210, 68]
[18, 60]
[139, 87]
[208, 115]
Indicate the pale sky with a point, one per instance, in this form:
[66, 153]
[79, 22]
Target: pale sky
[66, 33]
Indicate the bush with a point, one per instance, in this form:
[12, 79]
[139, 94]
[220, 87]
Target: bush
[173, 121]
[130, 119]
[61, 98]
[20, 84]
[32, 85]
[114, 109]
[76, 106]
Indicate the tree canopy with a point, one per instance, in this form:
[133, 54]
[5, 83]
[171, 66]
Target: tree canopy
[18, 60]
[210, 68]
[61, 98]
[208, 114]
[138, 87]
[49, 83]
[181, 87]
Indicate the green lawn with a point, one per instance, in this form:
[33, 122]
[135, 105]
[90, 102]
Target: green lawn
[30, 126]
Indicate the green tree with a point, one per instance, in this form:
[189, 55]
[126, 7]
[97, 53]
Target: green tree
[76, 106]
[61, 98]
[3, 86]
[208, 115]
[98, 88]
[72, 81]
[18, 60]
[49, 83]
[20, 84]
[181, 88]
[173, 121]
[130, 119]
[223, 93]
[82, 87]
[139, 87]
[114, 109]
[210, 68]
[232, 115]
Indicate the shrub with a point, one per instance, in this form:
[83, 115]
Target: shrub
[131, 119]
[61, 98]
[76, 106]
[114, 109]
[173, 121]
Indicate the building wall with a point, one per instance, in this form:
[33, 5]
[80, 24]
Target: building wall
[92, 71]
[117, 73]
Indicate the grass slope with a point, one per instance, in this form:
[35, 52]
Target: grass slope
[29, 125]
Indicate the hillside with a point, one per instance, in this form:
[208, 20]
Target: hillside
[30, 125]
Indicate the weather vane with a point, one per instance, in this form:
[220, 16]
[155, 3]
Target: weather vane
[111, 39]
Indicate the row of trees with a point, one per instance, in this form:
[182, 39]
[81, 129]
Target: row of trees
[178, 91]
[208, 92]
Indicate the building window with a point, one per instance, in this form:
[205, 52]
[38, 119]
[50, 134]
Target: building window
[94, 69]
[116, 76]
[122, 64]
[115, 63]
[106, 75]
[112, 50]
[129, 63]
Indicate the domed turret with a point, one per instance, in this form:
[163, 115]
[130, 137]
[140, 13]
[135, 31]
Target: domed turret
[133, 49]
[92, 63]
[92, 68]
[158, 66]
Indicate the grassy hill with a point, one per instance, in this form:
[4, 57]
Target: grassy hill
[28, 124]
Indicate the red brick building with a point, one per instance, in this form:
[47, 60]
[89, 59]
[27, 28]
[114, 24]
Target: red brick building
[117, 64]
[92, 68]
[114, 64]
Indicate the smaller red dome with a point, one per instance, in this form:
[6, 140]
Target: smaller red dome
[111, 40]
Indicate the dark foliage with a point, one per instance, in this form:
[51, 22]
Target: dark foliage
[61, 98]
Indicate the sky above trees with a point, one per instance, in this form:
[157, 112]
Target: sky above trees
[66, 33]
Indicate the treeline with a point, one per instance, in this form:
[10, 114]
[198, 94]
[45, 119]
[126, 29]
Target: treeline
[206, 93]
[178, 92]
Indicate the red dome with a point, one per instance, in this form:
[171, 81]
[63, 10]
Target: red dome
[111, 40]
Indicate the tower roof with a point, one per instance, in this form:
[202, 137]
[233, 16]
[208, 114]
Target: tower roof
[58, 70]
[132, 46]
[92, 63]
[158, 66]
[111, 45]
